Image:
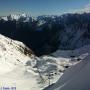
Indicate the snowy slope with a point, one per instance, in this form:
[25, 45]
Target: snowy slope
[76, 77]
[28, 72]
[83, 51]
[13, 72]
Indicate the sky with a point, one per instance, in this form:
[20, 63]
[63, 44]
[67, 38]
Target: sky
[41, 7]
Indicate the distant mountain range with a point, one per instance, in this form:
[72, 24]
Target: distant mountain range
[45, 34]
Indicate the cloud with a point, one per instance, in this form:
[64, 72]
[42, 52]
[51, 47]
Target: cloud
[86, 9]
[87, 6]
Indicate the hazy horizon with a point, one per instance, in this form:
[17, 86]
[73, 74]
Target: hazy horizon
[41, 7]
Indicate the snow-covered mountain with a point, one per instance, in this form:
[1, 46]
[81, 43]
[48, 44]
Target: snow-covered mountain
[16, 17]
[20, 68]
